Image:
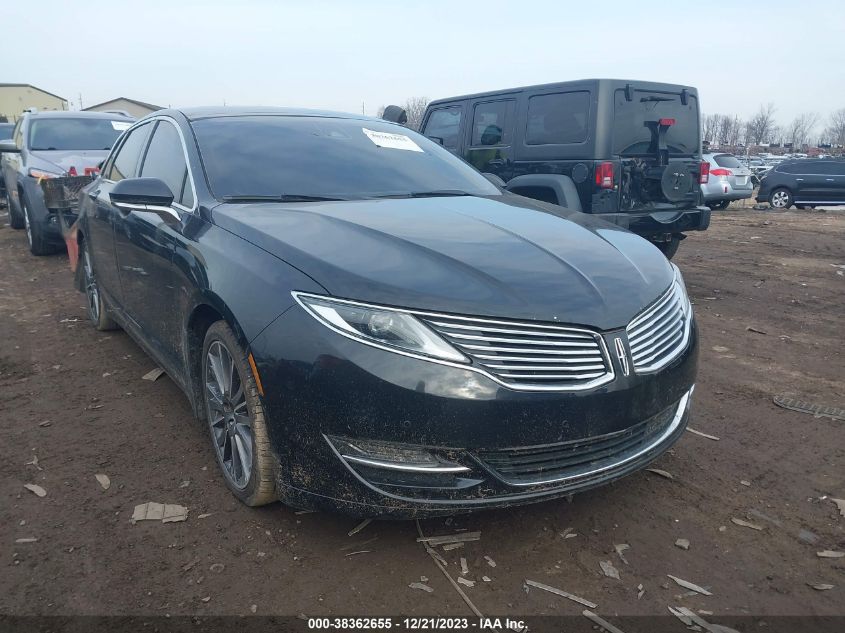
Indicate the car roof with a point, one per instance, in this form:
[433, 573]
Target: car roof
[610, 83]
[206, 112]
[75, 114]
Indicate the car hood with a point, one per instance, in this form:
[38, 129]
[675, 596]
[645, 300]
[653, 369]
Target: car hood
[503, 256]
[63, 160]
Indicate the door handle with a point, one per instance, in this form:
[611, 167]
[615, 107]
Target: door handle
[799, 179]
[496, 162]
[829, 179]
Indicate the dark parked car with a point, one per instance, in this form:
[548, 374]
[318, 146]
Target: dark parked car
[49, 145]
[626, 151]
[5, 135]
[807, 182]
[368, 325]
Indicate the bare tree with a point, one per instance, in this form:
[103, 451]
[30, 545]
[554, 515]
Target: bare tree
[760, 127]
[710, 127]
[799, 131]
[415, 109]
[835, 131]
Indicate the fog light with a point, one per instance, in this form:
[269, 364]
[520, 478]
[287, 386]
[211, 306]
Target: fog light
[392, 456]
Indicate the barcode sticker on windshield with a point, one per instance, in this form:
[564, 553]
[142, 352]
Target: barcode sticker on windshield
[392, 141]
[120, 125]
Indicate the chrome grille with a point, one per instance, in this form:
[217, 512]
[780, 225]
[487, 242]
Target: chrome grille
[526, 355]
[661, 332]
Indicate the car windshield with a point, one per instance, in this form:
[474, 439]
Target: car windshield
[632, 135]
[726, 160]
[296, 158]
[6, 131]
[67, 133]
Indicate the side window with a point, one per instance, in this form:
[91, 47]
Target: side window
[124, 164]
[444, 124]
[165, 160]
[558, 118]
[831, 168]
[490, 123]
[789, 168]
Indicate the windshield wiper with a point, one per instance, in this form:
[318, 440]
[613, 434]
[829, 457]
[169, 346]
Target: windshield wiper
[439, 193]
[286, 197]
[654, 98]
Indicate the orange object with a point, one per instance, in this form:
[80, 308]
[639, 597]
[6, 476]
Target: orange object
[255, 374]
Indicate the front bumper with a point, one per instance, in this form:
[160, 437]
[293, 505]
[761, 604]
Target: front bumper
[319, 385]
[47, 220]
[660, 223]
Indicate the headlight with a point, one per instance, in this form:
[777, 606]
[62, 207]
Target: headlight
[41, 174]
[386, 328]
[679, 283]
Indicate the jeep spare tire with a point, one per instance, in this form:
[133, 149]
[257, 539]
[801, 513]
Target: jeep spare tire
[676, 183]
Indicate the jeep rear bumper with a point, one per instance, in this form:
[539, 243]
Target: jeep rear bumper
[660, 223]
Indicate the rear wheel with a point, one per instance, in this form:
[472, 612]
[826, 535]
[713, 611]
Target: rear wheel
[669, 247]
[781, 198]
[15, 218]
[97, 311]
[722, 204]
[236, 418]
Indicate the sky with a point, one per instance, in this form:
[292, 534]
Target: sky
[346, 56]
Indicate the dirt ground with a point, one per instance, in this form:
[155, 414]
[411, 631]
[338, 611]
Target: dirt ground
[74, 399]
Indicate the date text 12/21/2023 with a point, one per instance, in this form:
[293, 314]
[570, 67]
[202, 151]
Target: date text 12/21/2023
[416, 624]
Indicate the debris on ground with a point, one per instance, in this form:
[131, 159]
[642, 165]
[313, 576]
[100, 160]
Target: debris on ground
[689, 585]
[29, 539]
[755, 330]
[830, 554]
[204, 515]
[36, 489]
[709, 437]
[450, 546]
[153, 374]
[189, 566]
[103, 480]
[820, 586]
[45, 423]
[745, 482]
[562, 593]
[744, 523]
[421, 586]
[34, 462]
[464, 581]
[720, 348]
[434, 541]
[609, 570]
[805, 536]
[840, 503]
[568, 533]
[486, 578]
[253, 608]
[164, 512]
[360, 551]
[682, 543]
[604, 624]
[206, 599]
[662, 473]
[814, 409]
[464, 567]
[620, 549]
[217, 567]
[640, 591]
[359, 527]
[490, 561]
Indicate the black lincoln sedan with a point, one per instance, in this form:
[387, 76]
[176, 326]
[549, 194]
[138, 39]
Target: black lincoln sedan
[367, 324]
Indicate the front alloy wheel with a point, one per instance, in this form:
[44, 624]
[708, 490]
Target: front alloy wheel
[236, 418]
[780, 199]
[96, 307]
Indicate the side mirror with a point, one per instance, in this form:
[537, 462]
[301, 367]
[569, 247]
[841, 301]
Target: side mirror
[145, 194]
[436, 139]
[9, 146]
[395, 114]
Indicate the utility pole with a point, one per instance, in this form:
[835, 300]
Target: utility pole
[80, 100]
[362, 108]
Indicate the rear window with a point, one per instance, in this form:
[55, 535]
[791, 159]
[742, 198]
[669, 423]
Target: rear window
[444, 126]
[632, 135]
[726, 160]
[558, 119]
[68, 133]
[327, 157]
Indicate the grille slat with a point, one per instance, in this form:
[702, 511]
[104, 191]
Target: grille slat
[527, 355]
[658, 334]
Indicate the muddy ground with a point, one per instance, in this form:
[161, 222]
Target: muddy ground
[74, 399]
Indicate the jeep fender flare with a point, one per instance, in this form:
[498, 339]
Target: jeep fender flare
[562, 186]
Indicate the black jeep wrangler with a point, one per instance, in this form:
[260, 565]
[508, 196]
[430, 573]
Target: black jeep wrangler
[628, 151]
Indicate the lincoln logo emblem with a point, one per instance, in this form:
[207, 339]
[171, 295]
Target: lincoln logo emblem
[623, 356]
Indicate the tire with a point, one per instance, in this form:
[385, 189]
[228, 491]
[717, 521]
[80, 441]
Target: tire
[97, 311]
[669, 248]
[15, 219]
[718, 206]
[226, 400]
[34, 233]
[780, 198]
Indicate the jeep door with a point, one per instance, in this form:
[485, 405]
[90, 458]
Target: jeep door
[444, 125]
[490, 137]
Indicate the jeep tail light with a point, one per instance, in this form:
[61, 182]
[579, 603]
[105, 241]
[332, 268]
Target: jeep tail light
[667, 122]
[704, 172]
[72, 171]
[721, 172]
[604, 175]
